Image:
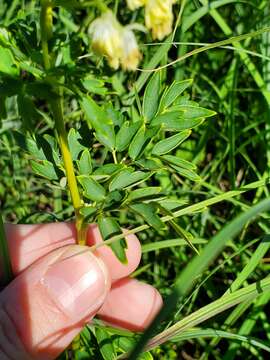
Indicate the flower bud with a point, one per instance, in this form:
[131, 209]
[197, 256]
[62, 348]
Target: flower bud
[131, 54]
[135, 4]
[107, 38]
[159, 17]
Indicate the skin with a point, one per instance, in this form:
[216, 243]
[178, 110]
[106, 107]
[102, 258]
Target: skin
[60, 286]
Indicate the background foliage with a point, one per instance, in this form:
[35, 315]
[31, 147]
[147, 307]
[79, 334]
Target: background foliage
[229, 150]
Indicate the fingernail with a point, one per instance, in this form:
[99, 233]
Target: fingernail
[77, 282]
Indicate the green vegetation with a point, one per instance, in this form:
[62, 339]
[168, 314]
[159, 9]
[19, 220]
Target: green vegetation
[171, 143]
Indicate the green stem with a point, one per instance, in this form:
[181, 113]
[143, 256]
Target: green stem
[5, 258]
[57, 111]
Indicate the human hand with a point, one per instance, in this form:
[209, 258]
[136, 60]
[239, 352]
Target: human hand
[55, 293]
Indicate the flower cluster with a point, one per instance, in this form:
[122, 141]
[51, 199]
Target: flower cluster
[118, 43]
[158, 15]
[114, 41]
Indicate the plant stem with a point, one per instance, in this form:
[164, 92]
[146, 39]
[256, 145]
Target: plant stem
[57, 110]
[5, 258]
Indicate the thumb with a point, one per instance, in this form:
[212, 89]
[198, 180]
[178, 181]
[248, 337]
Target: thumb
[47, 305]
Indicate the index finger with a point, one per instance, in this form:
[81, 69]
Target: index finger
[28, 243]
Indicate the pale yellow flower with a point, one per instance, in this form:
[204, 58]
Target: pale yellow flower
[131, 54]
[106, 34]
[159, 17]
[135, 4]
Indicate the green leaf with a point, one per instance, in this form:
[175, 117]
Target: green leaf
[141, 140]
[3, 110]
[151, 97]
[98, 119]
[170, 143]
[69, 4]
[193, 112]
[125, 134]
[172, 204]
[85, 163]
[28, 112]
[143, 193]
[10, 86]
[198, 333]
[105, 343]
[174, 121]
[92, 189]
[30, 145]
[108, 228]
[187, 236]
[149, 213]
[94, 86]
[137, 143]
[126, 178]
[41, 89]
[146, 356]
[108, 169]
[175, 160]
[149, 164]
[50, 148]
[7, 63]
[74, 143]
[45, 169]
[88, 211]
[115, 116]
[189, 174]
[173, 92]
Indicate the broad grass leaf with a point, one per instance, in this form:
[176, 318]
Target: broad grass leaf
[170, 143]
[92, 189]
[126, 178]
[108, 228]
[149, 213]
[175, 160]
[187, 236]
[45, 169]
[125, 134]
[151, 97]
[173, 92]
[85, 163]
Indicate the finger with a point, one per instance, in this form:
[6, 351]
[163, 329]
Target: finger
[47, 305]
[27, 243]
[131, 304]
[116, 268]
